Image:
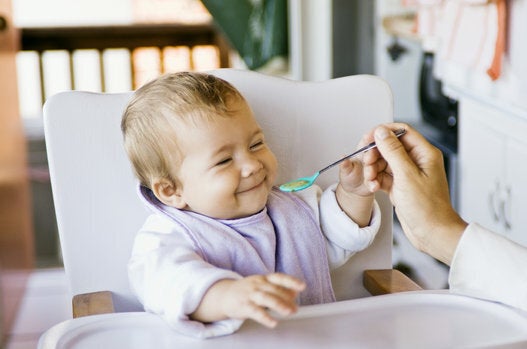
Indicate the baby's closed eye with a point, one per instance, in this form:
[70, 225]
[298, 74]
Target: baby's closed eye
[223, 162]
[256, 145]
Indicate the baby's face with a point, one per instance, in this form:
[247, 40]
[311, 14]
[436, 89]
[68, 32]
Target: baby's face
[227, 169]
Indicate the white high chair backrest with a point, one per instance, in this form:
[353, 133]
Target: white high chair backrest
[307, 124]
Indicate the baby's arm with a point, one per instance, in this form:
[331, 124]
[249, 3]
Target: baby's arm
[250, 298]
[343, 235]
[353, 196]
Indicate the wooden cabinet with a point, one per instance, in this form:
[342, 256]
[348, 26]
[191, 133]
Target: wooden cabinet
[16, 241]
[493, 168]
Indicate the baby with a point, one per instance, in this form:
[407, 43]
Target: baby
[223, 244]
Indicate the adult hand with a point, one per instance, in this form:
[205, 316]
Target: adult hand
[412, 172]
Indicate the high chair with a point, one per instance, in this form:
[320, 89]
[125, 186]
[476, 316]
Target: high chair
[307, 125]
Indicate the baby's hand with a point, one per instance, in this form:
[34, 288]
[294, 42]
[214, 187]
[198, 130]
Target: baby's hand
[353, 195]
[351, 175]
[252, 297]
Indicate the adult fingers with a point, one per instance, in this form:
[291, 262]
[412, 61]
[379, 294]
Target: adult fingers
[393, 150]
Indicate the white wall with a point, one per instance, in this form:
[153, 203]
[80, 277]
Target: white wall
[310, 25]
[68, 12]
[403, 74]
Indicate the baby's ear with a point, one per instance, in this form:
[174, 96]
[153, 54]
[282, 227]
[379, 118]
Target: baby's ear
[169, 193]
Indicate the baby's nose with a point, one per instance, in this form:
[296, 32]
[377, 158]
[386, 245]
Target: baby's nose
[250, 166]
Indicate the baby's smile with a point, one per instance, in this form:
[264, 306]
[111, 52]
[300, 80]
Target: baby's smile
[253, 185]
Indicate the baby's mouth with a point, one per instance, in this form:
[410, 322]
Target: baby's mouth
[252, 186]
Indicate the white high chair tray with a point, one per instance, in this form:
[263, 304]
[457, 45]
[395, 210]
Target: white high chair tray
[405, 320]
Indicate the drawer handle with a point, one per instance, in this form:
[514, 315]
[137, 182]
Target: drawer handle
[493, 207]
[505, 208]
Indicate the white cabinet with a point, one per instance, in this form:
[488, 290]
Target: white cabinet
[493, 168]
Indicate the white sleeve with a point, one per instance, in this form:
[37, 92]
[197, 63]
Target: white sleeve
[170, 278]
[344, 237]
[489, 266]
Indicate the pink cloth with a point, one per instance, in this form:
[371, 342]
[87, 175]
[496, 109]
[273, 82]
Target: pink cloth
[470, 33]
[473, 34]
[494, 70]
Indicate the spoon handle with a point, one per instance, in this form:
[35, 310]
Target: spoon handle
[398, 133]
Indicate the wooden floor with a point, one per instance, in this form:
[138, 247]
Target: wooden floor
[16, 254]
[13, 285]
[45, 302]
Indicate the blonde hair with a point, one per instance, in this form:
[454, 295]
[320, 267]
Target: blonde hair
[151, 119]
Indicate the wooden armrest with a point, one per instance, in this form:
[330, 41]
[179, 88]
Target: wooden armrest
[92, 304]
[383, 281]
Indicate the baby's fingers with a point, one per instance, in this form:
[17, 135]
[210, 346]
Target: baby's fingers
[286, 281]
[281, 301]
[371, 171]
[351, 167]
[262, 316]
[371, 156]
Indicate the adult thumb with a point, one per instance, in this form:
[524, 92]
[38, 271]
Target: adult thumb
[392, 150]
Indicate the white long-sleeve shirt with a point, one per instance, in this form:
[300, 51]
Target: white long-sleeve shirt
[170, 277]
[489, 266]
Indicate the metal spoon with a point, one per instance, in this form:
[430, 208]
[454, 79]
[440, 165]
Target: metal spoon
[306, 182]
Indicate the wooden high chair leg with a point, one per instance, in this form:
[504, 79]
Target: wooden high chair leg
[383, 281]
[92, 304]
